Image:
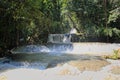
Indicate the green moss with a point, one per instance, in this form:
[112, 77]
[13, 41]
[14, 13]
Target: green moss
[115, 55]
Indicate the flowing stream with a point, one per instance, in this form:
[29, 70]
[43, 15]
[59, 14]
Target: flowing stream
[60, 50]
[53, 54]
[60, 56]
[43, 60]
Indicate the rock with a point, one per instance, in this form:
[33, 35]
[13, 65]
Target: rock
[67, 69]
[115, 70]
[119, 52]
[92, 65]
[3, 78]
[65, 72]
[111, 77]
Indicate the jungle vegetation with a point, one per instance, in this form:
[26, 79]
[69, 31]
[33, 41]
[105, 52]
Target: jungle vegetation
[30, 21]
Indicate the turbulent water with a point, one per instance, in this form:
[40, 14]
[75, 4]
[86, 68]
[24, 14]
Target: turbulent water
[74, 48]
[50, 55]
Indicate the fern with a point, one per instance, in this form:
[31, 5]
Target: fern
[108, 32]
[116, 32]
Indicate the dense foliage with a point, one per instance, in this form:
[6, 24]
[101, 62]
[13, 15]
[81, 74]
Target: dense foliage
[30, 21]
[96, 18]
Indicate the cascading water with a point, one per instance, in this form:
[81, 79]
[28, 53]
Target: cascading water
[59, 49]
[64, 38]
[59, 38]
[72, 48]
[30, 49]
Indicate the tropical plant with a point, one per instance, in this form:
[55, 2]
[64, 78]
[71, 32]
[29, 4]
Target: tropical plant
[30, 21]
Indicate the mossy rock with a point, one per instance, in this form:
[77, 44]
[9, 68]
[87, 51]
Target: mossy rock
[115, 55]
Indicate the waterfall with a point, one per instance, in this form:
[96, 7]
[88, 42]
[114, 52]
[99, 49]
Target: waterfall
[69, 37]
[73, 31]
[59, 38]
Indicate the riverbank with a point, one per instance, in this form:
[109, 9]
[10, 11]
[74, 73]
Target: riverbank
[64, 72]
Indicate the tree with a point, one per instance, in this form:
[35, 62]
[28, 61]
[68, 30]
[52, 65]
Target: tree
[96, 16]
[21, 20]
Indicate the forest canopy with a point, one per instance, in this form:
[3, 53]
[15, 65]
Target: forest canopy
[30, 21]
